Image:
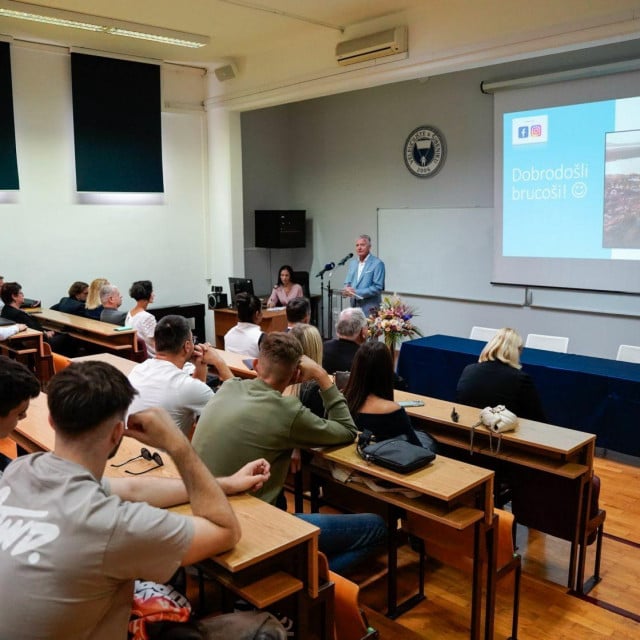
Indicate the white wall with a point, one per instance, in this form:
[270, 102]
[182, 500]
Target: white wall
[345, 161]
[50, 239]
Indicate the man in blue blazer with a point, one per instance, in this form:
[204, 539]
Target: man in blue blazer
[365, 278]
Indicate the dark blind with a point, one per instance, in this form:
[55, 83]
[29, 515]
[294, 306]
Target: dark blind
[116, 123]
[8, 159]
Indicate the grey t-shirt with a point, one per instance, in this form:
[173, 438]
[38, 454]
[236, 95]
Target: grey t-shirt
[70, 551]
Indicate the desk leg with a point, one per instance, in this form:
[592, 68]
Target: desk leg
[582, 510]
[492, 561]
[476, 586]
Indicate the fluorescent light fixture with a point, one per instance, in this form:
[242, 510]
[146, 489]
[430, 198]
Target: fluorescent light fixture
[87, 22]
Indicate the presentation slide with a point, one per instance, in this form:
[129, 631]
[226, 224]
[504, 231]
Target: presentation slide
[571, 182]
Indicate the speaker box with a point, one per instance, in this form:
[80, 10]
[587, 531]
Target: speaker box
[217, 300]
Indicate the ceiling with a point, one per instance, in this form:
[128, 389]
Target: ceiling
[237, 28]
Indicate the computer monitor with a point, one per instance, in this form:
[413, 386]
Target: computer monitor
[239, 285]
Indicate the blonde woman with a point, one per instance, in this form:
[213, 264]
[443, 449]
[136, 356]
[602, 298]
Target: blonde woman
[497, 378]
[309, 392]
[93, 306]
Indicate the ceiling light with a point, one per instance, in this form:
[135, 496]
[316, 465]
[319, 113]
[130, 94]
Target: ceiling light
[87, 22]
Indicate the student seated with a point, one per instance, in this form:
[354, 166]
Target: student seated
[249, 416]
[93, 306]
[245, 337]
[111, 299]
[80, 540]
[139, 318]
[75, 302]
[497, 378]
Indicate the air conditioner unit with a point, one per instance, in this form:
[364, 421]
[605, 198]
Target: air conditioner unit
[376, 45]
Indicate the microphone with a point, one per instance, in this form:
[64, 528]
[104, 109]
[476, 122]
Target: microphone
[347, 257]
[327, 267]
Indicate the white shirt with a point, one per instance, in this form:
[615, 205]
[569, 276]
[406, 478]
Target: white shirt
[145, 324]
[243, 338]
[8, 331]
[160, 383]
[361, 264]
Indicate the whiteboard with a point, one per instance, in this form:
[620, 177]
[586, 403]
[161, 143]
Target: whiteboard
[444, 253]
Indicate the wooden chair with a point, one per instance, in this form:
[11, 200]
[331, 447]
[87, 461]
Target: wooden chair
[539, 503]
[482, 333]
[628, 353]
[548, 343]
[456, 548]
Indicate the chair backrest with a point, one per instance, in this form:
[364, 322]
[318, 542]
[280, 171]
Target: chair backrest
[482, 333]
[628, 353]
[548, 343]
[302, 278]
[457, 547]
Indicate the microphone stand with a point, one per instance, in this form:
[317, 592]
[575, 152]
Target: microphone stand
[321, 315]
[330, 306]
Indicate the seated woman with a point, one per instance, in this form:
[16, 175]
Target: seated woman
[139, 318]
[13, 297]
[245, 337]
[308, 392]
[497, 378]
[93, 306]
[75, 302]
[286, 289]
[369, 394]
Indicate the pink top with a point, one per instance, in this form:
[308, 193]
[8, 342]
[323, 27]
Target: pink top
[279, 297]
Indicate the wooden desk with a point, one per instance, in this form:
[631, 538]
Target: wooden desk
[235, 363]
[452, 493]
[104, 334]
[557, 455]
[28, 347]
[277, 554]
[122, 364]
[224, 319]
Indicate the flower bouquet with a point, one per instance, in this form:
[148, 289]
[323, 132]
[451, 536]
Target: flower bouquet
[393, 321]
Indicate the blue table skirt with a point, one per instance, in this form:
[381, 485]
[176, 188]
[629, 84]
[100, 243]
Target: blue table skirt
[596, 395]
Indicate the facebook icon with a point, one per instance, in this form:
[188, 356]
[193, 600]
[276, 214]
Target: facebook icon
[523, 132]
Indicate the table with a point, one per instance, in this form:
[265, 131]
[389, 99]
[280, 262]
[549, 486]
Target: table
[452, 493]
[277, 555]
[234, 362]
[104, 334]
[535, 455]
[596, 395]
[225, 319]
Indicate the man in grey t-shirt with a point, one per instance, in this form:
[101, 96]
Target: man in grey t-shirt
[77, 540]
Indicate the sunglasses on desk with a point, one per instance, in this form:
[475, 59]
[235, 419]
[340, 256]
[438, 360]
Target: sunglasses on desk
[146, 455]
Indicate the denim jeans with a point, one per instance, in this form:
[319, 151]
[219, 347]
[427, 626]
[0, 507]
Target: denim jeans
[348, 539]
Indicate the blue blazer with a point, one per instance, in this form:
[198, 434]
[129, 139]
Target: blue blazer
[369, 286]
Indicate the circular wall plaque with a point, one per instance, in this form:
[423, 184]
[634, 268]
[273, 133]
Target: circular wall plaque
[425, 151]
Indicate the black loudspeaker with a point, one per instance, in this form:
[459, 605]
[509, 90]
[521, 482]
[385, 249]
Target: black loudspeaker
[217, 300]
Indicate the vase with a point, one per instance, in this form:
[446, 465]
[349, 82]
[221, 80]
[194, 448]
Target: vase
[391, 342]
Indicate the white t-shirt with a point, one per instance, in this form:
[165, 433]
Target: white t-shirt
[145, 324]
[243, 338]
[160, 383]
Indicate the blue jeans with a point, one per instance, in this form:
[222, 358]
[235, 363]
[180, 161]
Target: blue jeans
[348, 539]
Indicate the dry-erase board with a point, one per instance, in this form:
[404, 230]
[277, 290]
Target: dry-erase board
[441, 252]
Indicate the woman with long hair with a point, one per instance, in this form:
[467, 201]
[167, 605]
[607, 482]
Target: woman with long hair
[309, 392]
[286, 288]
[369, 394]
[93, 304]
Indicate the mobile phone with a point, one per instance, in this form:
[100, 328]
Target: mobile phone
[411, 403]
[248, 362]
[123, 328]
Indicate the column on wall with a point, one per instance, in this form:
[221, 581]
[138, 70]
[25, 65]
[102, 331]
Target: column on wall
[225, 237]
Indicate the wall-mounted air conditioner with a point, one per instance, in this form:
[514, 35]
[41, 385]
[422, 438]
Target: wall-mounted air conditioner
[376, 45]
